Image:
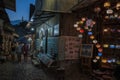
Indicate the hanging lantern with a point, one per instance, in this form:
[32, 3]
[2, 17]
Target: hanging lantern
[90, 33]
[95, 60]
[113, 60]
[94, 41]
[78, 28]
[109, 11]
[86, 27]
[105, 45]
[109, 61]
[81, 31]
[77, 22]
[99, 54]
[107, 4]
[115, 15]
[118, 6]
[105, 30]
[112, 46]
[106, 17]
[93, 22]
[92, 37]
[104, 60]
[97, 57]
[118, 61]
[75, 25]
[81, 22]
[100, 49]
[80, 35]
[83, 19]
[98, 45]
[89, 29]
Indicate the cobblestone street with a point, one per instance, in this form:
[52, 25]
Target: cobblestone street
[22, 71]
[27, 71]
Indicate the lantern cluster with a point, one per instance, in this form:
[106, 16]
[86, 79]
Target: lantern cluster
[86, 24]
[83, 25]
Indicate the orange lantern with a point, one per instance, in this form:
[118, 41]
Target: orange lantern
[107, 4]
[92, 37]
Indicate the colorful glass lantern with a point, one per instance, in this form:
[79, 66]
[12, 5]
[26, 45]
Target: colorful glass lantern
[104, 60]
[100, 49]
[78, 28]
[107, 4]
[92, 37]
[109, 61]
[90, 33]
[118, 46]
[81, 22]
[109, 11]
[118, 6]
[105, 45]
[106, 17]
[80, 35]
[86, 27]
[75, 25]
[105, 30]
[94, 60]
[81, 30]
[94, 41]
[98, 45]
[99, 54]
[118, 61]
[83, 19]
[113, 60]
[112, 46]
[97, 57]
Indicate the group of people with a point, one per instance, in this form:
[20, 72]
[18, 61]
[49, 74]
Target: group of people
[19, 49]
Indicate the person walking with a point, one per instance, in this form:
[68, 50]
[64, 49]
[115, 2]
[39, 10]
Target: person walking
[25, 52]
[13, 51]
[19, 51]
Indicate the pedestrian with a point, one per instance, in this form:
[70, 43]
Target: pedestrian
[25, 52]
[19, 51]
[13, 51]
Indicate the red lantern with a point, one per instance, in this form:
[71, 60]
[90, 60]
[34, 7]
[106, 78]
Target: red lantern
[100, 49]
[82, 31]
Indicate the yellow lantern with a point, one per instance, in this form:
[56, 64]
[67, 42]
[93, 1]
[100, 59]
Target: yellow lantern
[107, 4]
[81, 22]
[105, 45]
[104, 60]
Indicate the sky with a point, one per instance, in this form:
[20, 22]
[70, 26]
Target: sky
[22, 10]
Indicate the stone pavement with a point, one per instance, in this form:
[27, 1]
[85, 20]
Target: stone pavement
[22, 71]
[27, 71]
